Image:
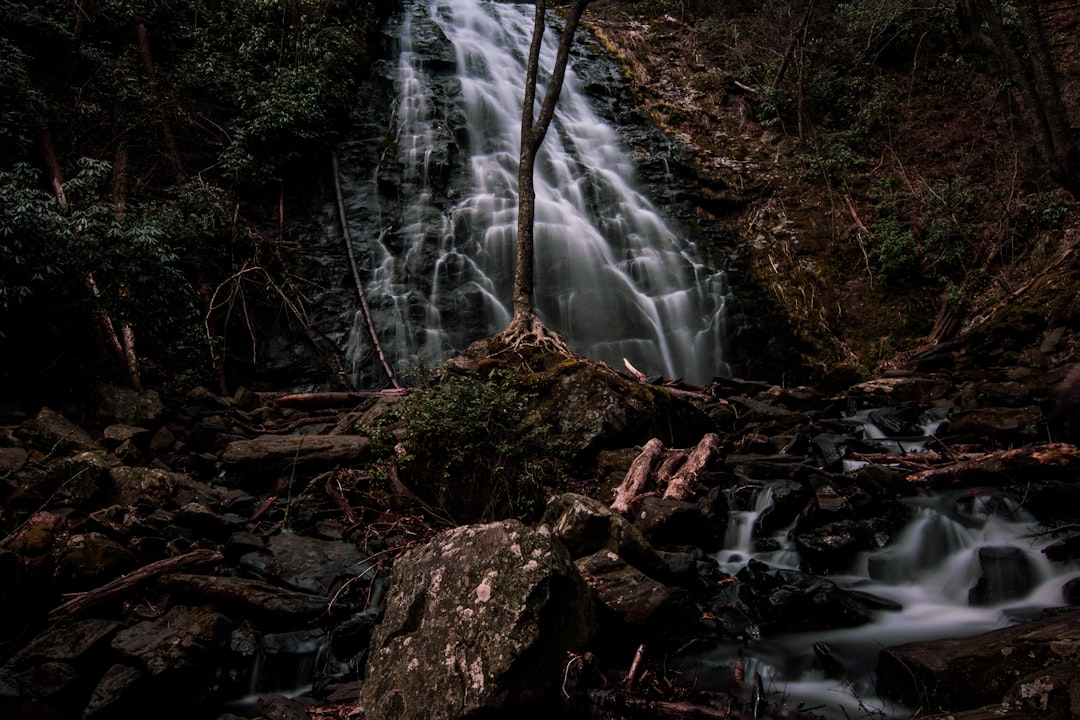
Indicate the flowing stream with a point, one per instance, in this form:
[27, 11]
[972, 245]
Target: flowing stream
[436, 236]
[931, 570]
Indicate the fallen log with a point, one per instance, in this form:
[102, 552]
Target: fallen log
[1046, 461]
[685, 478]
[637, 476]
[121, 585]
[323, 400]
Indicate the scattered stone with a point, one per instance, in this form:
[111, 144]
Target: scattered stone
[53, 433]
[184, 640]
[307, 564]
[586, 526]
[624, 591]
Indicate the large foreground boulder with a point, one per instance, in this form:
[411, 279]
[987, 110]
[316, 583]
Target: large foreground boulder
[479, 619]
[969, 673]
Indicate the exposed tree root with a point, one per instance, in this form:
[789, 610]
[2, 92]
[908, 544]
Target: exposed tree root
[531, 333]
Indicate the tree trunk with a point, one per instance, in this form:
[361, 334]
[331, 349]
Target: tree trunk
[1030, 69]
[364, 307]
[151, 79]
[532, 137]
[1064, 157]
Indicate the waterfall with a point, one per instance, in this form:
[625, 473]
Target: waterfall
[436, 236]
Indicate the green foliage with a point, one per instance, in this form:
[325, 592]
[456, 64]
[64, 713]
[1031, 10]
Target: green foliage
[1042, 211]
[474, 448]
[231, 98]
[892, 250]
[53, 247]
[950, 210]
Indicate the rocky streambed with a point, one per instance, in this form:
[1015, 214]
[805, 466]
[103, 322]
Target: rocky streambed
[207, 556]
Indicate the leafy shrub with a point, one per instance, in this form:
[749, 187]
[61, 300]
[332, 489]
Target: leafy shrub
[893, 252]
[473, 447]
[1042, 211]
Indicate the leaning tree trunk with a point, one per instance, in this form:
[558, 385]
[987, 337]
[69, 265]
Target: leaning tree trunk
[1029, 67]
[533, 132]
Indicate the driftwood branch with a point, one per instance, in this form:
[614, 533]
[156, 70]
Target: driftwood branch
[686, 478]
[673, 459]
[86, 600]
[368, 321]
[322, 400]
[637, 476]
[1049, 459]
[635, 668]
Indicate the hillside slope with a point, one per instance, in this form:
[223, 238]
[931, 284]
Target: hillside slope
[884, 189]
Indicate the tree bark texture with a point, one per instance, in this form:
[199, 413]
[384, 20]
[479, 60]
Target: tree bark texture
[533, 132]
[1028, 65]
[637, 476]
[685, 479]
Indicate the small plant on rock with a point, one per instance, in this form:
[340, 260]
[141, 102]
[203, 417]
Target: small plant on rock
[474, 448]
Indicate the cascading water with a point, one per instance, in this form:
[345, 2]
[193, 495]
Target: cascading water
[611, 275]
[967, 562]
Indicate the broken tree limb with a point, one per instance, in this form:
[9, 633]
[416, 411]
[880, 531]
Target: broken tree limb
[1046, 461]
[645, 707]
[365, 309]
[686, 478]
[638, 475]
[322, 400]
[673, 460]
[634, 371]
[86, 600]
[635, 668]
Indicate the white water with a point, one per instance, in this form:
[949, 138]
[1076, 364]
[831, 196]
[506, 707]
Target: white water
[929, 569]
[611, 275]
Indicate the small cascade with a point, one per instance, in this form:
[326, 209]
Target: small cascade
[437, 232]
[968, 561]
[744, 540]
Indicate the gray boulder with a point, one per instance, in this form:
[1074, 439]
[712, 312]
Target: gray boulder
[586, 526]
[479, 619]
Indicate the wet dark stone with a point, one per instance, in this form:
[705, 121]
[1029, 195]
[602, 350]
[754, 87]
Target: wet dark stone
[831, 448]
[1070, 592]
[1064, 550]
[788, 500]
[790, 600]
[733, 611]
[1006, 573]
[184, 643]
[115, 687]
[305, 563]
[897, 421]
[666, 522]
[831, 666]
[833, 546]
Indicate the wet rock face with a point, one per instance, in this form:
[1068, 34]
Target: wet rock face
[480, 618]
[955, 675]
[1005, 573]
